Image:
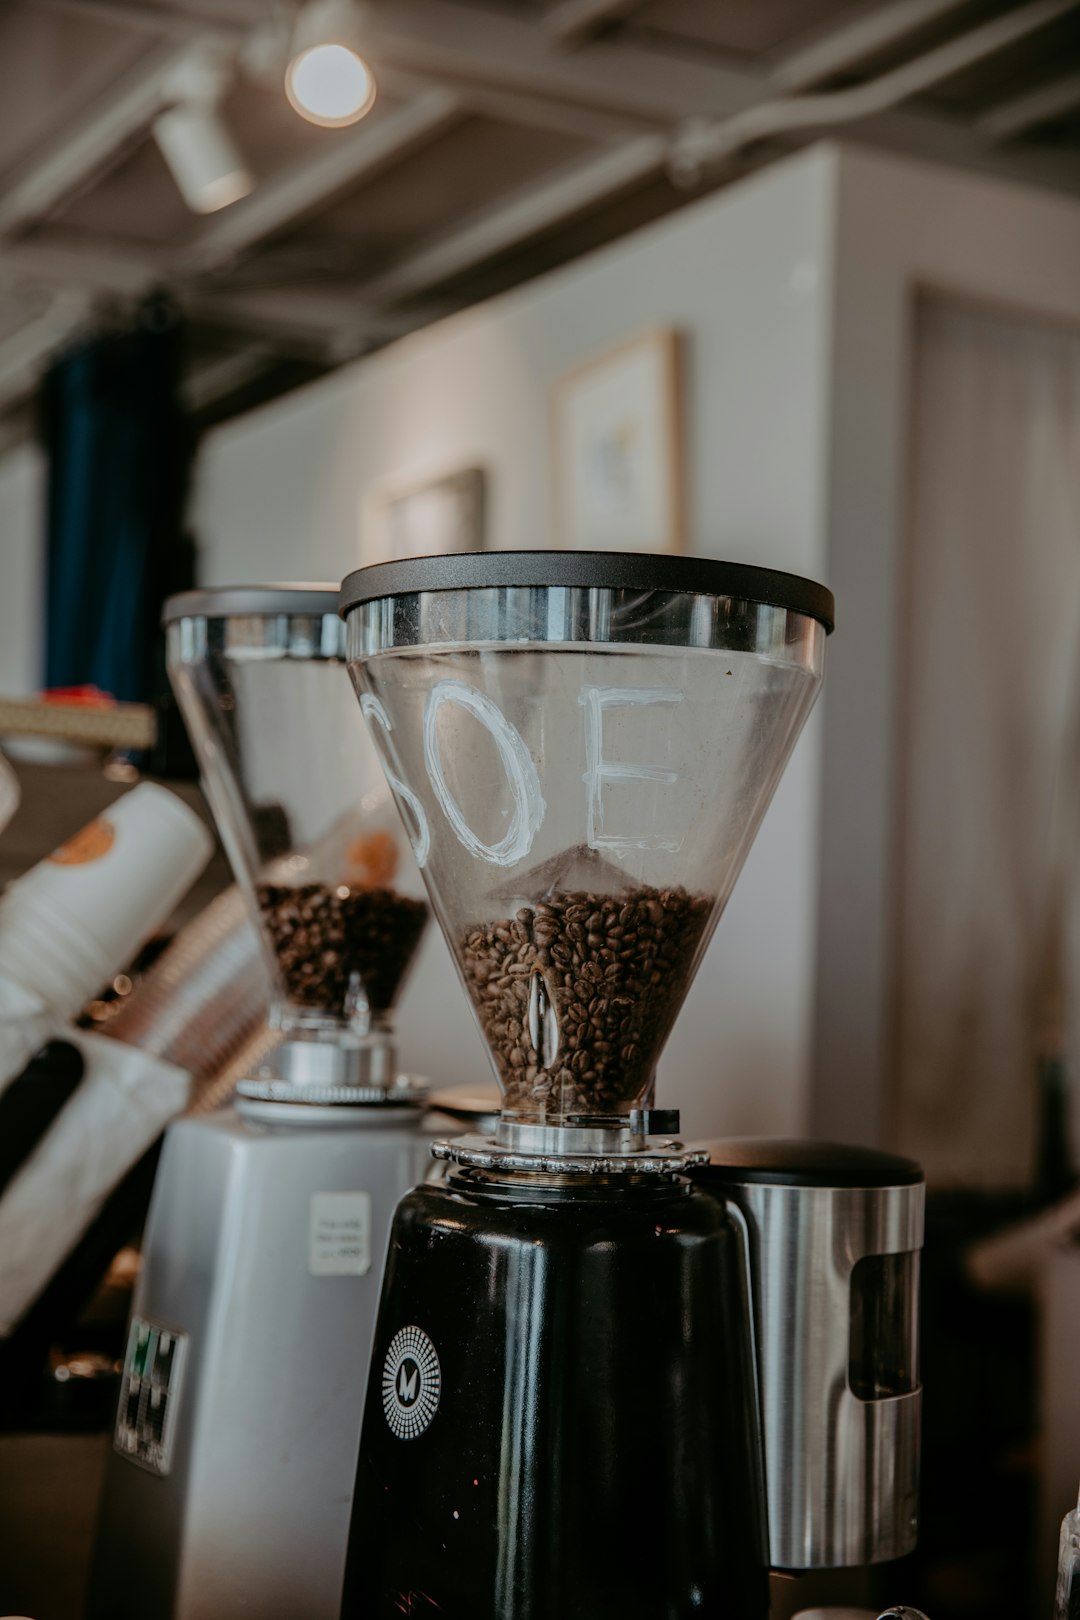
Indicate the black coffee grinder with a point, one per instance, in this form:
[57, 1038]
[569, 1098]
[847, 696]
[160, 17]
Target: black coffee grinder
[563, 1417]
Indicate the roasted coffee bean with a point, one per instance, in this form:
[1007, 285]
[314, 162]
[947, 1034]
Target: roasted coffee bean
[331, 942]
[614, 970]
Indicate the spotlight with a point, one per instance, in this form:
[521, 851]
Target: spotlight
[194, 141]
[202, 156]
[327, 80]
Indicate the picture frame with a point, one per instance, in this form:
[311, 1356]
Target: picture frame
[617, 442]
[435, 517]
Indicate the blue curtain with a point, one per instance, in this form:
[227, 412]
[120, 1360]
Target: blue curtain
[119, 452]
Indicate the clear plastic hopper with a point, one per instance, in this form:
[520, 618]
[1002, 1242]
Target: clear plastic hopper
[583, 747]
[302, 809]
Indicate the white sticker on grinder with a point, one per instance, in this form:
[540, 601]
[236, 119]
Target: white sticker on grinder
[339, 1234]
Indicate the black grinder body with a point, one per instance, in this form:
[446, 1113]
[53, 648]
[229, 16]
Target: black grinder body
[561, 1418]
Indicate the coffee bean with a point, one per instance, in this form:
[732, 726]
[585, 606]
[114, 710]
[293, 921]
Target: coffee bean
[613, 971]
[332, 942]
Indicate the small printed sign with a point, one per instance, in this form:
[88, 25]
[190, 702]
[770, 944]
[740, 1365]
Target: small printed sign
[339, 1234]
[149, 1395]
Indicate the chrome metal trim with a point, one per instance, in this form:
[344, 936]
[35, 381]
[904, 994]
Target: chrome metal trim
[841, 1473]
[279, 1114]
[274, 1091]
[637, 571]
[335, 1062]
[739, 1217]
[484, 1153]
[541, 615]
[333, 1073]
[557, 1140]
[233, 601]
[301, 632]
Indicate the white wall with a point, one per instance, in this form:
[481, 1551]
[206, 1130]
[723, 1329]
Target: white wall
[22, 559]
[901, 228]
[745, 275]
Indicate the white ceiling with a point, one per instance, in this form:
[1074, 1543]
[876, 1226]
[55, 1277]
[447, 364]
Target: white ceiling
[507, 137]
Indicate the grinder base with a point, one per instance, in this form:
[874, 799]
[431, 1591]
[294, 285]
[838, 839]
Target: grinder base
[560, 1414]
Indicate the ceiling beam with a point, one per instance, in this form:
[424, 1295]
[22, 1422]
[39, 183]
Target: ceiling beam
[706, 142]
[457, 44]
[526, 109]
[572, 22]
[69, 259]
[317, 324]
[462, 45]
[847, 45]
[433, 41]
[356, 155]
[310, 323]
[938, 141]
[538, 208]
[560, 117]
[1040, 106]
[216, 380]
[173, 22]
[91, 143]
[449, 57]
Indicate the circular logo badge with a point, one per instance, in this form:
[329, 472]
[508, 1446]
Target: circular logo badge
[89, 844]
[411, 1383]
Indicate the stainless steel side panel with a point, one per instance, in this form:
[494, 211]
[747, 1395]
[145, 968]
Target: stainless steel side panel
[253, 1516]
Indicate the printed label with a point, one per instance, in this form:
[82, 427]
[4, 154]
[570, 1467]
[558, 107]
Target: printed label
[411, 1384]
[150, 1395]
[89, 844]
[339, 1234]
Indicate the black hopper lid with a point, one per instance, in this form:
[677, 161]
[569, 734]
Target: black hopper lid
[601, 570]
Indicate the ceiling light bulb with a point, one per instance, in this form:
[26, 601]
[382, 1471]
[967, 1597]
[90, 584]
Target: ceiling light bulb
[330, 84]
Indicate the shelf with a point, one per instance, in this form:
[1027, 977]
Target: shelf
[124, 725]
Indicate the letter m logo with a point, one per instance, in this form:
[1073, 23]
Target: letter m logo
[407, 1384]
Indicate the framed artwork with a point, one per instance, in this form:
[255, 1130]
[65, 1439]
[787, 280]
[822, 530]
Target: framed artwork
[443, 515]
[617, 440]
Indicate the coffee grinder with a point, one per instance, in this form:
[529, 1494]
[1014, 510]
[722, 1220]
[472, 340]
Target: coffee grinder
[236, 1437]
[570, 1410]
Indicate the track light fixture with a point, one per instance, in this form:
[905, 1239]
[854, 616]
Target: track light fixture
[195, 142]
[327, 80]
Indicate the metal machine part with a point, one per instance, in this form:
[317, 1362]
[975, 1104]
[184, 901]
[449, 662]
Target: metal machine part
[542, 1435]
[302, 1066]
[899, 1613]
[229, 1487]
[236, 1440]
[293, 782]
[835, 1235]
[597, 1149]
[572, 738]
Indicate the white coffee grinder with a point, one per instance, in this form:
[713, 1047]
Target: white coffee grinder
[229, 1486]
